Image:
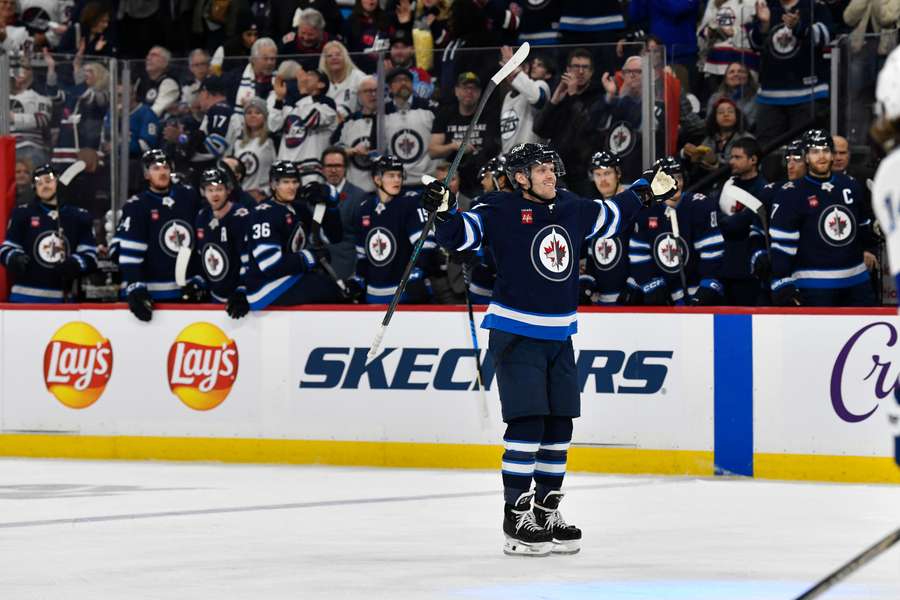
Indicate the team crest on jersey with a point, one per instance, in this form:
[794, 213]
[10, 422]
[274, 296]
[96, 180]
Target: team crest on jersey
[298, 239]
[813, 201]
[361, 161]
[50, 248]
[784, 42]
[837, 226]
[551, 253]
[175, 234]
[669, 252]
[380, 246]
[215, 262]
[607, 252]
[621, 139]
[527, 216]
[407, 145]
[295, 131]
[509, 123]
[250, 162]
[151, 95]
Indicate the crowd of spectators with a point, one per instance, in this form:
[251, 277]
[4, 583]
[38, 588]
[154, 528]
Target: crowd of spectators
[262, 81]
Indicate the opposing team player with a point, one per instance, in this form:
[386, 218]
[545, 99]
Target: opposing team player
[154, 226]
[282, 260]
[818, 236]
[657, 255]
[390, 223]
[606, 279]
[48, 244]
[534, 234]
[220, 229]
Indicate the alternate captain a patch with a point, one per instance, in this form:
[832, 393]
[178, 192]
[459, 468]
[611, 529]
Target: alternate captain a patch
[551, 253]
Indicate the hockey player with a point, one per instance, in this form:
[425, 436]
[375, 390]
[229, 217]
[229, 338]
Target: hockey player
[282, 260]
[220, 228]
[390, 223]
[657, 256]
[307, 125]
[886, 187]
[606, 279]
[818, 236]
[493, 176]
[533, 234]
[154, 226]
[48, 244]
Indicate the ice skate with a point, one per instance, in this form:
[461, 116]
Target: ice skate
[524, 537]
[566, 538]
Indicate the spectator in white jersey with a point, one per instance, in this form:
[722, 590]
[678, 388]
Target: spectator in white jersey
[306, 125]
[255, 149]
[530, 92]
[30, 117]
[407, 127]
[344, 77]
[355, 136]
[255, 78]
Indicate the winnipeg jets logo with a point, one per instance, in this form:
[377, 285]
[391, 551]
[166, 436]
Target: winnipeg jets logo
[298, 238]
[250, 162]
[362, 161]
[407, 145]
[621, 139]
[509, 123]
[784, 42]
[51, 249]
[551, 253]
[669, 252]
[380, 246]
[606, 253]
[173, 235]
[215, 262]
[837, 226]
[295, 131]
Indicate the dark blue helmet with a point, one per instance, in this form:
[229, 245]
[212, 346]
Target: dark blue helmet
[817, 138]
[216, 176]
[494, 167]
[386, 162]
[669, 165]
[283, 169]
[794, 150]
[524, 156]
[155, 156]
[605, 160]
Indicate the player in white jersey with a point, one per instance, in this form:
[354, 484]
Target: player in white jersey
[530, 92]
[886, 131]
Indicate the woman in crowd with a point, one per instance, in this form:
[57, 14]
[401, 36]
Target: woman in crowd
[344, 76]
[724, 126]
[367, 20]
[255, 150]
[92, 30]
[739, 86]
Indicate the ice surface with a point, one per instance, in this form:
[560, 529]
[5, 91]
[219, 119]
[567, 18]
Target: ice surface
[134, 530]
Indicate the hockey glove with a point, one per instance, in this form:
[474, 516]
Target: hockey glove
[586, 285]
[140, 304]
[760, 265]
[68, 269]
[356, 289]
[417, 288]
[656, 293]
[786, 295]
[655, 186]
[237, 305]
[708, 295]
[19, 264]
[315, 193]
[465, 257]
[193, 292]
[631, 296]
[438, 198]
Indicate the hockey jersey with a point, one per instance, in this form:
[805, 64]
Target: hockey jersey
[153, 227]
[344, 94]
[355, 130]
[158, 94]
[219, 129]
[886, 204]
[818, 233]
[724, 34]
[256, 156]
[539, 22]
[606, 267]
[305, 127]
[536, 248]
[580, 16]
[655, 253]
[387, 234]
[520, 105]
[48, 236]
[407, 132]
[30, 119]
[220, 249]
[743, 233]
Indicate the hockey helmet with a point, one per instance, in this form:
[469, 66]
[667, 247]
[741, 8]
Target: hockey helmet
[155, 156]
[495, 167]
[669, 165]
[794, 150]
[524, 156]
[216, 176]
[45, 169]
[283, 169]
[817, 138]
[386, 162]
[605, 160]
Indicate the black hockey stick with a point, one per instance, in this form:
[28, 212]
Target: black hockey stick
[467, 279]
[851, 566]
[512, 64]
[318, 215]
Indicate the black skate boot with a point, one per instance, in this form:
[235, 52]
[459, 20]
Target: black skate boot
[524, 537]
[566, 538]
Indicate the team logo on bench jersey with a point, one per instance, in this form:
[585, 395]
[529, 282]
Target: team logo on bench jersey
[380, 246]
[50, 248]
[174, 235]
[551, 253]
[606, 253]
[669, 252]
[837, 226]
[215, 262]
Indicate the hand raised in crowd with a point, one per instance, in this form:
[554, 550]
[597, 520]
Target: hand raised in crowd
[609, 84]
[565, 87]
[279, 87]
[762, 12]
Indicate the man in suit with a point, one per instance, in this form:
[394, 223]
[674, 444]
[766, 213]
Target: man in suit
[343, 253]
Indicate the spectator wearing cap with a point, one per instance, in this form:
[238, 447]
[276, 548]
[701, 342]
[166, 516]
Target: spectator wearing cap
[402, 56]
[356, 135]
[344, 77]
[155, 86]
[219, 128]
[306, 126]
[528, 93]
[408, 125]
[308, 41]
[254, 80]
[346, 197]
[255, 149]
[198, 65]
[284, 12]
[450, 126]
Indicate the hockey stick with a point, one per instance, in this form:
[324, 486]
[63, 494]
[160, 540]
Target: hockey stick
[511, 65]
[467, 279]
[849, 567]
[65, 179]
[730, 190]
[318, 215]
[182, 262]
[673, 220]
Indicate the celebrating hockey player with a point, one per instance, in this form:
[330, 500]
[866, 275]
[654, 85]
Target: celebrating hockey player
[818, 236]
[48, 244]
[220, 228]
[533, 234]
[154, 226]
[390, 223]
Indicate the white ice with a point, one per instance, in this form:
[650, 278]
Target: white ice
[131, 530]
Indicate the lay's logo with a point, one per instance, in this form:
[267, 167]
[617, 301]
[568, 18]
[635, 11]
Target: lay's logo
[202, 366]
[78, 363]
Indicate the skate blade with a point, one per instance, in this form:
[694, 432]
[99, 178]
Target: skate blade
[566, 547]
[516, 548]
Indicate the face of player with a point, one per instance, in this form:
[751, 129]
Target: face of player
[390, 182]
[216, 194]
[606, 180]
[841, 154]
[487, 183]
[45, 187]
[819, 161]
[796, 168]
[159, 176]
[285, 190]
[740, 163]
[543, 181]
